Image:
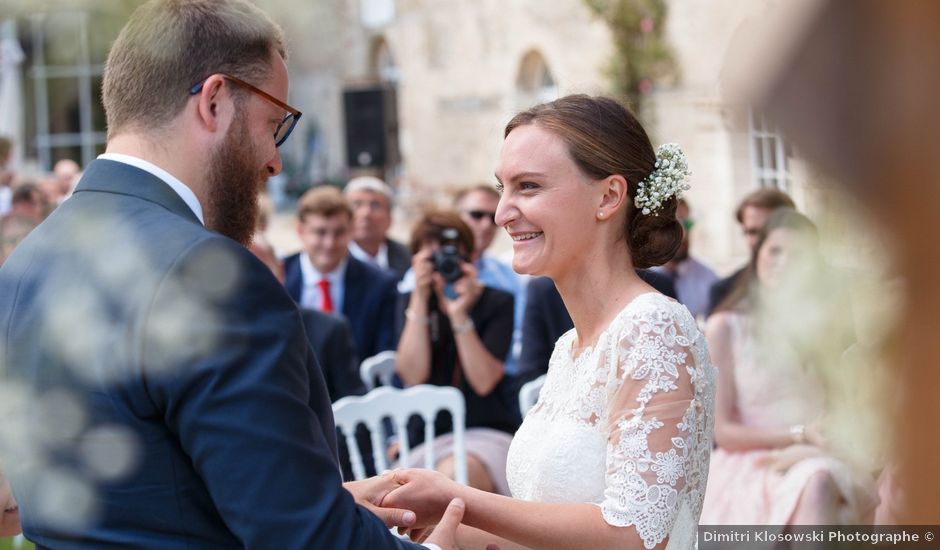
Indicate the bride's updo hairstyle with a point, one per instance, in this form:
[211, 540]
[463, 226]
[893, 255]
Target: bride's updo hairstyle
[604, 139]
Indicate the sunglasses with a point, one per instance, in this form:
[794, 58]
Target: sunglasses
[480, 214]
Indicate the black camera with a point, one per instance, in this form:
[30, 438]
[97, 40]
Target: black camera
[447, 259]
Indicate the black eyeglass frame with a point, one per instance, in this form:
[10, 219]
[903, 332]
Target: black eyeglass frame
[293, 115]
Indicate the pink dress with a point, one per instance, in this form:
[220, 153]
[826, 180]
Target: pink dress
[773, 393]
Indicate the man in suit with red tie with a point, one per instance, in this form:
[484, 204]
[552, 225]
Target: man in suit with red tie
[326, 277]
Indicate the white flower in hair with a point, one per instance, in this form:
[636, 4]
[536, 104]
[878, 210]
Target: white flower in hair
[667, 180]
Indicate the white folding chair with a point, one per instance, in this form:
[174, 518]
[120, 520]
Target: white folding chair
[400, 405]
[381, 366]
[529, 394]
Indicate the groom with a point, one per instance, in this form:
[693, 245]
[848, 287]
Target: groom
[169, 398]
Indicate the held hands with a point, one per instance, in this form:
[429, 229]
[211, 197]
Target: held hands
[426, 492]
[369, 493]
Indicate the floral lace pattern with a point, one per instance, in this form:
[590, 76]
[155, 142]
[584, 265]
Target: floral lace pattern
[626, 425]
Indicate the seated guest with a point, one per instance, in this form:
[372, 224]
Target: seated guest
[9, 512]
[371, 201]
[331, 340]
[456, 332]
[752, 213]
[325, 277]
[477, 207]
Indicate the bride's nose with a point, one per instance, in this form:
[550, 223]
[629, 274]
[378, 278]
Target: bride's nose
[506, 212]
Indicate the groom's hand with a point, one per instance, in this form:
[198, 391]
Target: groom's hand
[445, 534]
[425, 491]
[369, 494]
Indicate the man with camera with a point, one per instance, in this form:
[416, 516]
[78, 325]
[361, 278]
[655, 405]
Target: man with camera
[455, 332]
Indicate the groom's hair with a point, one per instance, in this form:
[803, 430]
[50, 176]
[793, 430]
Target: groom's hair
[169, 46]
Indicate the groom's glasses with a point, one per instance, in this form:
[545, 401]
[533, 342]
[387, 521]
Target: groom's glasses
[286, 125]
[480, 214]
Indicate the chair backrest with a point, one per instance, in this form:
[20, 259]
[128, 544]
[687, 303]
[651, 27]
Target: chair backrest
[399, 406]
[529, 394]
[381, 366]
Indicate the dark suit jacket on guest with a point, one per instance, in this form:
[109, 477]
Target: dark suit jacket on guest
[722, 288]
[332, 343]
[182, 354]
[546, 319]
[368, 303]
[399, 257]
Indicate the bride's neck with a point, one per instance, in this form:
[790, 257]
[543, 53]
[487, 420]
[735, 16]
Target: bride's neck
[594, 300]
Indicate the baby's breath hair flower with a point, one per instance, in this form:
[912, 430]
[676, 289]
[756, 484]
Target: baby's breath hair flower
[667, 180]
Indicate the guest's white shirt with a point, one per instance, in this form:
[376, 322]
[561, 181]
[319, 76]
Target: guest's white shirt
[175, 184]
[379, 260]
[310, 295]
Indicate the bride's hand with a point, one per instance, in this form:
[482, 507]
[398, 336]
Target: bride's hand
[426, 492]
[369, 493]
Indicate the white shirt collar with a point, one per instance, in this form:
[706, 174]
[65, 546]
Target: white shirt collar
[175, 184]
[311, 276]
[380, 259]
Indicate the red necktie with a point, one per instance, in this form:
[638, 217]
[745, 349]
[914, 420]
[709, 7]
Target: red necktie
[326, 301]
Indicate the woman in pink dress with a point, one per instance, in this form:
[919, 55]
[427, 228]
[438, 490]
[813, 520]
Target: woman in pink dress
[771, 465]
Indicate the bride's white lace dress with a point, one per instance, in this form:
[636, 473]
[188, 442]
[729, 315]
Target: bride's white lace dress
[626, 425]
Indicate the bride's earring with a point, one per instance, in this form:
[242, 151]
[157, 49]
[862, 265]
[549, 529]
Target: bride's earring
[600, 214]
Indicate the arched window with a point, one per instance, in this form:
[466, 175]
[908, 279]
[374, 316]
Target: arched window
[534, 83]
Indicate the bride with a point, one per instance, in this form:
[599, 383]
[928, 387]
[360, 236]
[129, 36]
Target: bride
[615, 453]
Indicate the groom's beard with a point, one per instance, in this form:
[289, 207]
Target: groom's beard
[234, 183]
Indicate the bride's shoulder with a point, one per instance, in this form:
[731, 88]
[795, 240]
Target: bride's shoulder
[658, 309]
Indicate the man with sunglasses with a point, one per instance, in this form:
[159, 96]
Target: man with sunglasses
[166, 391]
[477, 207]
[691, 277]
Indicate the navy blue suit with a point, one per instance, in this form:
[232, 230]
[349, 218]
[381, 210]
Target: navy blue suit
[187, 358]
[368, 302]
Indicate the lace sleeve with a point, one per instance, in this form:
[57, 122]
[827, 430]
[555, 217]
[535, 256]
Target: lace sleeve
[651, 425]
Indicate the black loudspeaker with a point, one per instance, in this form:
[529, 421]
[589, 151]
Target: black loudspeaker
[371, 127]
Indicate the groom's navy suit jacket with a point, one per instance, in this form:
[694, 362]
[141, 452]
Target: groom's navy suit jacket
[169, 397]
[369, 300]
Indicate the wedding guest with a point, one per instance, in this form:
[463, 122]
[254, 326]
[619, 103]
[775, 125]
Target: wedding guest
[26, 212]
[179, 412]
[477, 208]
[454, 331]
[772, 465]
[326, 277]
[615, 452]
[692, 278]
[9, 511]
[752, 213]
[371, 201]
[6, 174]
